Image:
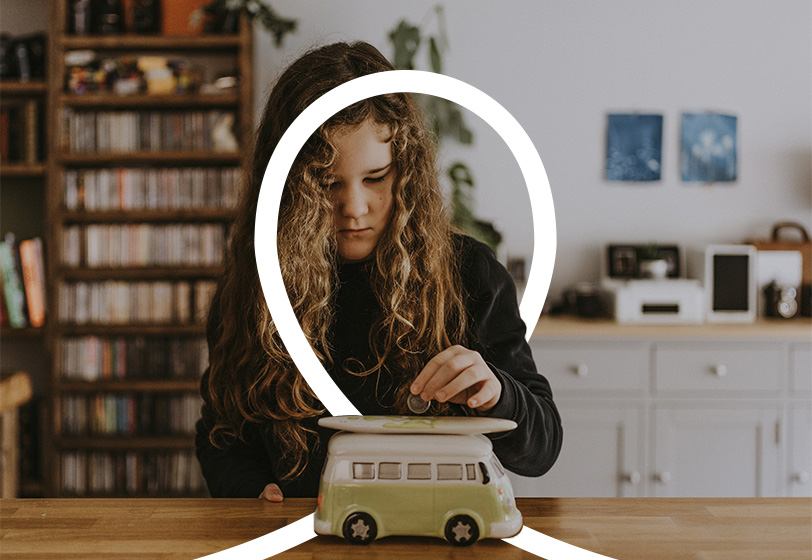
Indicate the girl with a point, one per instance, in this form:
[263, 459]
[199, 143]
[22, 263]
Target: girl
[395, 303]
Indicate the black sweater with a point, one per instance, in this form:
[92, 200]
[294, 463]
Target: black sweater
[246, 467]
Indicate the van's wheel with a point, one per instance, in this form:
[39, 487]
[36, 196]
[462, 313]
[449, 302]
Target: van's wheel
[360, 528]
[461, 530]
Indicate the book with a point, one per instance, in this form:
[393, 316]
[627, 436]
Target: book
[12, 283]
[33, 270]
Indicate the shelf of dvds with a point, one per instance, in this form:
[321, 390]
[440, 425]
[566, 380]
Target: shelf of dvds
[142, 186]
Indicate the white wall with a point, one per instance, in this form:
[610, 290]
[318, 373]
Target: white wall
[559, 67]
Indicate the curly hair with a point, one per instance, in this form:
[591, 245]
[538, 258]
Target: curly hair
[252, 378]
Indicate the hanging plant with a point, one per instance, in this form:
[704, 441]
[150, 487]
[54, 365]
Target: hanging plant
[222, 16]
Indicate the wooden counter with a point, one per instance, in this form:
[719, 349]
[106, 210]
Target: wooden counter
[622, 528]
[793, 330]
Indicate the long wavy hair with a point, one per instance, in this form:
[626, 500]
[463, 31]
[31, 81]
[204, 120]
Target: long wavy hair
[415, 276]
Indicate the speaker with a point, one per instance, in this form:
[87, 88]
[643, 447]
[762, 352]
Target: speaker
[730, 283]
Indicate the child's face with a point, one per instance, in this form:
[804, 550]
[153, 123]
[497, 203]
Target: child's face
[361, 189]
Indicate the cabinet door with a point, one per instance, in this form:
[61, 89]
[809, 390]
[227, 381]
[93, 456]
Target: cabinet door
[799, 469]
[601, 455]
[715, 450]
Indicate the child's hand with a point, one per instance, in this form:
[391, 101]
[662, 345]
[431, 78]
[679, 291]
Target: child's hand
[272, 493]
[461, 376]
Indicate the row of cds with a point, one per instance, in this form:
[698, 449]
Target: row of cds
[127, 303]
[172, 188]
[131, 473]
[90, 358]
[144, 244]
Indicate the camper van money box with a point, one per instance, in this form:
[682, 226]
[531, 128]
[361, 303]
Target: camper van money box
[415, 475]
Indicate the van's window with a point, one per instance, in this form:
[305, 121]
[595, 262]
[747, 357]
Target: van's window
[486, 478]
[496, 466]
[449, 472]
[389, 471]
[363, 471]
[418, 471]
[470, 470]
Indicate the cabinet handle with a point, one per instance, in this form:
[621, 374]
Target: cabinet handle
[719, 370]
[632, 478]
[801, 477]
[581, 370]
[663, 477]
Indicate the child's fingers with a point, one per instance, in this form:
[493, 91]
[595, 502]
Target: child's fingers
[272, 493]
[431, 368]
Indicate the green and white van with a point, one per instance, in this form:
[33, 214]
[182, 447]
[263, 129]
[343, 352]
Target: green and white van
[415, 476]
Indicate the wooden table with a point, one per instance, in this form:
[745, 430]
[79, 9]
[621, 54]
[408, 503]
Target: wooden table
[622, 528]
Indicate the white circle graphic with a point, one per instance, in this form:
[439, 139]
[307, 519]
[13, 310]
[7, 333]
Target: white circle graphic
[276, 296]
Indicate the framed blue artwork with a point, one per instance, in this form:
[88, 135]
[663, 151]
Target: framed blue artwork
[708, 147]
[634, 147]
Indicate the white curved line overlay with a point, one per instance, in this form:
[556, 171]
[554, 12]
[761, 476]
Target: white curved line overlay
[279, 305]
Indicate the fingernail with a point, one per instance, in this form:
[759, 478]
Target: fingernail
[414, 389]
[473, 403]
[425, 397]
[440, 395]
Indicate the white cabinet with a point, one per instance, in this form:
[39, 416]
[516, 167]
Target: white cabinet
[709, 410]
[713, 450]
[601, 456]
[799, 466]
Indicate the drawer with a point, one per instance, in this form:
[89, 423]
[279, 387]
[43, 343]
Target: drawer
[592, 367]
[757, 368]
[801, 372]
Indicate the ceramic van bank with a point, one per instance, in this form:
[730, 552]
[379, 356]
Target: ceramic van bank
[412, 475]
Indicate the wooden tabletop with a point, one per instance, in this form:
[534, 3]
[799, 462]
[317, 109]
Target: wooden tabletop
[622, 528]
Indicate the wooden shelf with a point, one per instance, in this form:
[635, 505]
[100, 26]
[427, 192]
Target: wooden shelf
[180, 100]
[26, 333]
[793, 330]
[133, 330]
[22, 169]
[122, 442]
[120, 159]
[146, 273]
[129, 386]
[140, 216]
[19, 88]
[152, 42]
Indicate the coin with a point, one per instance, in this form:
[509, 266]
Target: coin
[417, 405]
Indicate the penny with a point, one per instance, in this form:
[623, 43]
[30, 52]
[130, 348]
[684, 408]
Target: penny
[417, 405]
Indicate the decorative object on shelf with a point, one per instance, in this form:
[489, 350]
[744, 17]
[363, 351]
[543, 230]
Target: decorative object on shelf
[708, 148]
[448, 122]
[222, 16]
[634, 147]
[109, 17]
[787, 259]
[23, 57]
[81, 17]
[627, 261]
[730, 283]
[222, 135]
[145, 16]
[652, 263]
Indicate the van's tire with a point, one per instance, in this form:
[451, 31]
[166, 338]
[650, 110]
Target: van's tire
[461, 530]
[360, 528]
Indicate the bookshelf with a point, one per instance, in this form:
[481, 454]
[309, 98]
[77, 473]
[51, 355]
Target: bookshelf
[23, 177]
[141, 191]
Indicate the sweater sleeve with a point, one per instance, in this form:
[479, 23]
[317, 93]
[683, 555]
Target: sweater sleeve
[239, 470]
[533, 447]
